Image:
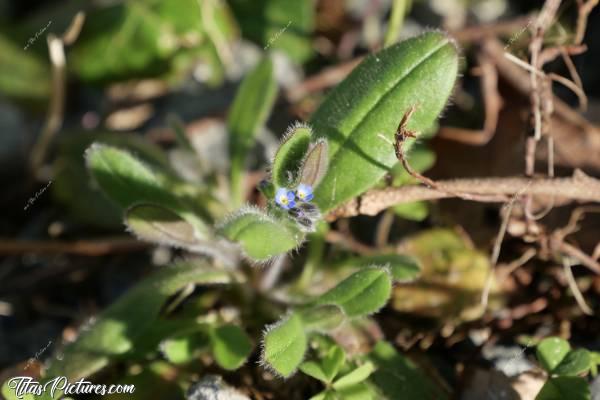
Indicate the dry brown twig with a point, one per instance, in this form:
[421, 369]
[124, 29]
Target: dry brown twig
[579, 187]
[55, 115]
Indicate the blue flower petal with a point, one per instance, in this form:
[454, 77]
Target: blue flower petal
[304, 192]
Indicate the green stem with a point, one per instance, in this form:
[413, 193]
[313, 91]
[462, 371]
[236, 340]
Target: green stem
[399, 10]
[316, 248]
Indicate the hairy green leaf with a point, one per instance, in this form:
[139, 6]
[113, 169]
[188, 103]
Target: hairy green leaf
[322, 318]
[160, 225]
[370, 102]
[362, 293]
[284, 345]
[260, 235]
[576, 362]
[124, 178]
[403, 268]
[565, 388]
[117, 328]
[290, 154]
[230, 346]
[314, 166]
[72, 186]
[251, 107]
[551, 351]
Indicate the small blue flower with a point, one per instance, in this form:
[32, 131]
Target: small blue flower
[285, 198]
[304, 192]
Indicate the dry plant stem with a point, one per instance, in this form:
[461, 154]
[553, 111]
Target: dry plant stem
[579, 255]
[91, 248]
[574, 288]
[497, 247]
[400, 138]
[584, 10]
[580, 187]
[347, 241]
[492, 103]
[55, 114]
[383, 229]
[54, 117]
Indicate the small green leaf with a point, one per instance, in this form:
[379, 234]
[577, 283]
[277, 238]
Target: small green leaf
[325, 395]
[576, 362]
[314, 166]
[289, 156]
[414, 211]
[73, 187]
[260, 235]
[230, 346]
[551, 351]
[333, 361]
[251, 107]
[160, 225]
[123, 178]
[314, 369]
[404, 268]
[362, 293]
[565, 388]
[398, 378]
[284, 345]
[184, 347]
[117, 328]
[356, 376]
[322, 318]
[370, 102]
[360, 391]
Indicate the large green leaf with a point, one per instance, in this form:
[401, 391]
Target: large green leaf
[276, 24]
[371, 101]
[284, 345]
[576, 362]
[22, 74]
[260, 235]
[251, 107]
[551, 351]
[362, 293]
[143, 38]
[565, 388]
[116, 330]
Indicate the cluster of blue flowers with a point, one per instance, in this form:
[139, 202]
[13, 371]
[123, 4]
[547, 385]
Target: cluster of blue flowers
[286, 198]
[298, 205]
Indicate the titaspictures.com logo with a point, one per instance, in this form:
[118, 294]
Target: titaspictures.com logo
[24, 385]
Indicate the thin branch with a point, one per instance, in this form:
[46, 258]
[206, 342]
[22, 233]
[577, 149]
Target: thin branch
[583, 12]
[574, 288]
[580, 187]
[91, 248]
